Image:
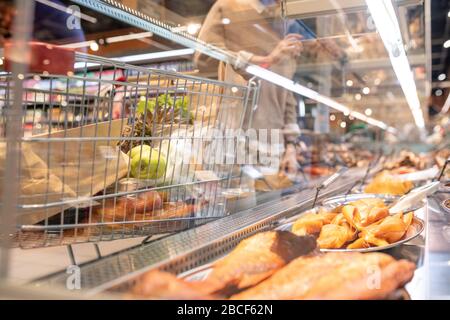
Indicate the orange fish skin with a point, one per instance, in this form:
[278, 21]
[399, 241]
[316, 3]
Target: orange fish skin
[334, 275]
[255, 259]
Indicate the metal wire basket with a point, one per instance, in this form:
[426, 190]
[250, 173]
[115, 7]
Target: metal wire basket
[79, 180]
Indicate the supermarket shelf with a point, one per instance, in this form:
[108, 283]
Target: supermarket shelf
[358, 65]
[301, 9]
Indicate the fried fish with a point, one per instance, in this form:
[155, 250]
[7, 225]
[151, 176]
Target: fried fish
[334, 275]
[255, 259]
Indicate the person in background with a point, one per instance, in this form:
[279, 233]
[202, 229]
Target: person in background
[255, 32]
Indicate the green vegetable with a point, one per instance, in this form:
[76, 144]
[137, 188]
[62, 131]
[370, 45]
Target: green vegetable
[161, 110]
[147, 163]
[165, 103]
[151, 106]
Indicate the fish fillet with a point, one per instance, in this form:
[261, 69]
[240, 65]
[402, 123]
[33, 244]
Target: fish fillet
[163, 285]
[255, 259]
[335, 275]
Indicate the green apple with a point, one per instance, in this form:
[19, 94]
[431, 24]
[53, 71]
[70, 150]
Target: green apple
[136, 151]
[148, 164]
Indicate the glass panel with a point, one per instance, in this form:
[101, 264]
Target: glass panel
[318, 91]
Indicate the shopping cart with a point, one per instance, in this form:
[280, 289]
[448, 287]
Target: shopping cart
[78, 180]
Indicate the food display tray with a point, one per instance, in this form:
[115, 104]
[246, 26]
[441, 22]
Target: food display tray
[193, 248]
[190, 254]
[414, 231]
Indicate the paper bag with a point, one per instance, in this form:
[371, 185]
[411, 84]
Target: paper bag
[64, 168]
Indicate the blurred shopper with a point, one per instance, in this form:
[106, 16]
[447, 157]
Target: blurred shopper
[254, 30]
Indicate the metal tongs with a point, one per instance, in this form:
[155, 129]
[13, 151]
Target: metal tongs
[416, 195]
[327, 182]
[443, 170]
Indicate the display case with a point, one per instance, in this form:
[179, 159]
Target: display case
[158, 135]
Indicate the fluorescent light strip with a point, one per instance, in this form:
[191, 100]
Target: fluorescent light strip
[81, 65]
[127, 37]
[77, 45]
[155, 55]
[446, 106]
[311, 94]
[141, 57]
[385, 19]
[115, 39]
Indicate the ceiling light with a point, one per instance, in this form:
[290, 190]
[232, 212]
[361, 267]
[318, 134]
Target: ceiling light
[377, 81]
[438, 92]
[297, 88]
[77, 45]
[368, 112]
[358, 96]
[83, 65]
[383, 14]
[1, 61]
[155, 55]
[141, 57]
[366, 90]
[301, 107]
[343, 124]
[226, 21]
[349, 83]
[127, 37]
[442, 77]
[193, 28]
[447, 44]
[332, 117]
[115, 39]
[446, 106]
[94, 46]
[346, 113]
